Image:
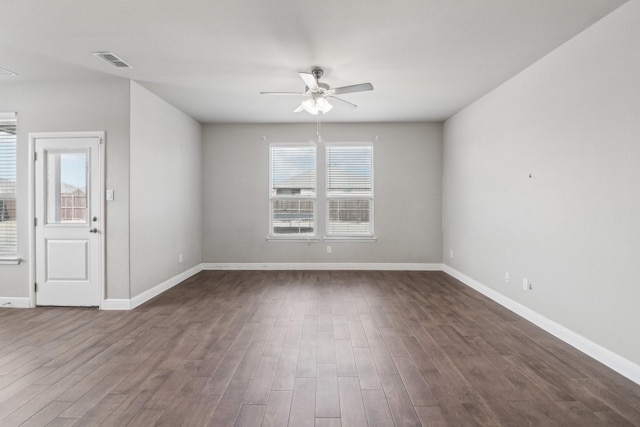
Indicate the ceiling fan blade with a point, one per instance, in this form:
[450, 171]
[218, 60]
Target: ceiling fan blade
[283, 93]
[300, 108]
[349, 104]
[353, 88]
[309, 80]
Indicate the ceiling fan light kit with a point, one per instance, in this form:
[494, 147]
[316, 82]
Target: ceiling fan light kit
[319, 93]
[316, 105]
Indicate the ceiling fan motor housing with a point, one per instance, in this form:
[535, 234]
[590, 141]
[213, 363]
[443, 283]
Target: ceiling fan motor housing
[317, 73]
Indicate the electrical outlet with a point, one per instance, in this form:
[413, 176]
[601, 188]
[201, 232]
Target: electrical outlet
[450, 253]
[329, 250]
[506, 276]
[180, 258]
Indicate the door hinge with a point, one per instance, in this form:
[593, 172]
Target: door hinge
[35, 222]
[35, 156]
[35, 287]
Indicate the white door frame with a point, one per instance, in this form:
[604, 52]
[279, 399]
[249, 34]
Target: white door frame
[32, 206]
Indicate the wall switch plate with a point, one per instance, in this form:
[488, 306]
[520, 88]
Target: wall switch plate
[180, 258]
[329, 250]
[525, 284]
[450, 253]
[110, 195]
[506, 276]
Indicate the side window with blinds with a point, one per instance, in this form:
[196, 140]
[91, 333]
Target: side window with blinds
[8, 229]
[293, 195]
[349, 190]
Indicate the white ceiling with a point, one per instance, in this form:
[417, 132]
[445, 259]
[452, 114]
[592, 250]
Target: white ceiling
[427, 59]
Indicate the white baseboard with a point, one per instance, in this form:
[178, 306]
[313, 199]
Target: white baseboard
[116, 304]
[130, 304]
[322, 266]
[608, 358]
[164, 286]
[15, 302]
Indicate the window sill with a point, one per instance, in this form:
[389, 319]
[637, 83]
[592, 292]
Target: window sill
[351, 239]
[10, 261]
[292, 239]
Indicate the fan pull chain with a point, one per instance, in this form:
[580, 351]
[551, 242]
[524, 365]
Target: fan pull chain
[318, 121]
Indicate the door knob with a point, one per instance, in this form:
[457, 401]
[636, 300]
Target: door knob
[93, 230]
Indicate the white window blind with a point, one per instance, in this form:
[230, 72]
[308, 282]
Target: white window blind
[293, 192]
[349, 190]
[8, 229]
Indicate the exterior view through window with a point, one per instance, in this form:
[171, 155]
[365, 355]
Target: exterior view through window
[8, 228]
[349, 190]
[293, 190]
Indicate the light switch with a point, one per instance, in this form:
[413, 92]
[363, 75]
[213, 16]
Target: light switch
[110, 195]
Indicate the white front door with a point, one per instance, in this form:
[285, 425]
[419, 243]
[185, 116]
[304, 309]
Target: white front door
[68, 224]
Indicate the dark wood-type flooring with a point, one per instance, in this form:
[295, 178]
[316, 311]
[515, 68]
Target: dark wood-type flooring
[302, 348]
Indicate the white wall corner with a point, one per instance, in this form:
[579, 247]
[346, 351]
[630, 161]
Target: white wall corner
[164, 286]
[14, 302]
[608, 358]
[322, 266]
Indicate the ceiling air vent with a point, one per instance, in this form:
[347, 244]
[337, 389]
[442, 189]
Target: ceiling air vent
[5, 72]
[112, 59]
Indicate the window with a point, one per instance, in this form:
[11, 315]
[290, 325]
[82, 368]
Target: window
[292, 170]
[8, 229]
[349, 190]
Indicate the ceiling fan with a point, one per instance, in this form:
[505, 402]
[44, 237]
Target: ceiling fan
[320, 93]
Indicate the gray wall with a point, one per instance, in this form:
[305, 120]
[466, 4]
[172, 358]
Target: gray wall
[572, 121]
[61, 106]
[407, 168]
[166, 191]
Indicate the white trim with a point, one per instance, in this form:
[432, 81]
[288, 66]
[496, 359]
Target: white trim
[613, 360]
[8, 116]
[351, 239]
[10, 261]
[15, 302]
[130, 304]
[116, 304]
[293, 239]
[164, 286]
[321, 266]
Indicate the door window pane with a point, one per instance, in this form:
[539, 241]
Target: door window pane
[67, 187]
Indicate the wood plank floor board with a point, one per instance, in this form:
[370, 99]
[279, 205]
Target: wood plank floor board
[327, 398]
[277, 410]
[230, 404]
[296, 348]
[262, 381]
[377, 408]
[38, 401]
[303, 403]
[367, 372]
[352, 410]
[286, 369]
[250, 415]
[46, 414]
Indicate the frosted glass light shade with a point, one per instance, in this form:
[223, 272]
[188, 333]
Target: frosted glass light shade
[315, 105]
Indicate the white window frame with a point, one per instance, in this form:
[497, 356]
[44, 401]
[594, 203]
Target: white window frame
[272, 197]
[370, 236]
[8, 253]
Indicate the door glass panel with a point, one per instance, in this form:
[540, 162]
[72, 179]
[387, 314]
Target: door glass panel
[67, 187]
